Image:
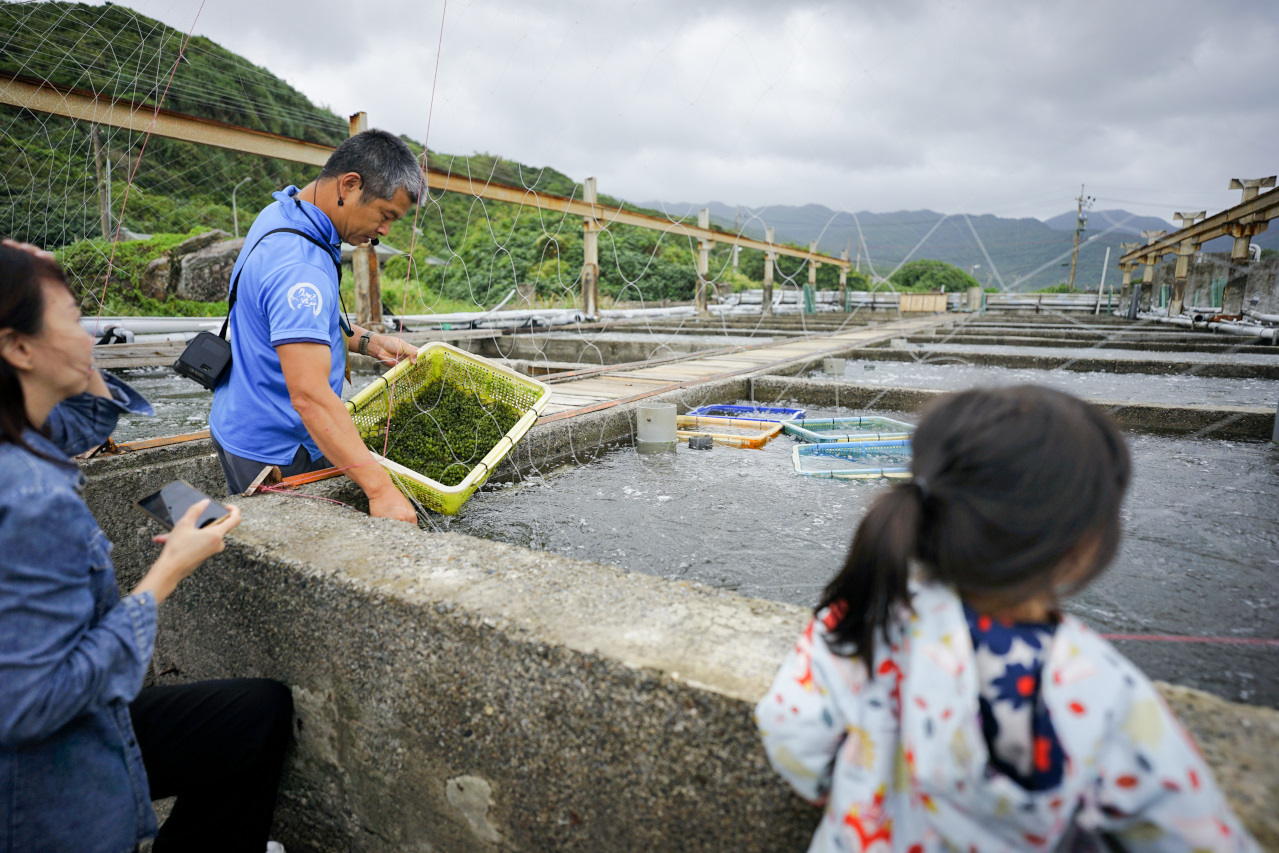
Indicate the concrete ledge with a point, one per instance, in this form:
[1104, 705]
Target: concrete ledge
[1086, 364]
[459, 694]
[1211, 421]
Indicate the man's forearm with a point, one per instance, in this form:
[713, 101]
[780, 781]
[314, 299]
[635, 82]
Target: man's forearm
[333, 431]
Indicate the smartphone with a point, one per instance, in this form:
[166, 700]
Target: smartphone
[172, 502]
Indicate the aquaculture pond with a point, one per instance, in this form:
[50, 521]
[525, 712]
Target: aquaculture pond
[950, 373]
[1200, 555]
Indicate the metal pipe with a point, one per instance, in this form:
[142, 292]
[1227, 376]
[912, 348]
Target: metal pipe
[1238, 329]
[1265, 318]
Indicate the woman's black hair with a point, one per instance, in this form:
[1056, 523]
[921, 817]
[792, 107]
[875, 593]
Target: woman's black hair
[1006, 484]
[22, 275]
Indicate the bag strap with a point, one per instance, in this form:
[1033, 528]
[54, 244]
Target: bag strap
[337, 265]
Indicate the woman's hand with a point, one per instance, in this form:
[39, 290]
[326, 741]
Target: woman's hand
[185, 548]
[391, 350]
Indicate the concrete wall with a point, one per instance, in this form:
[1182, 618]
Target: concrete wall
[457, 694]
[1245, 281]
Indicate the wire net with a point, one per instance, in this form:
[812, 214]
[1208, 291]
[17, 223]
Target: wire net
[114, 201]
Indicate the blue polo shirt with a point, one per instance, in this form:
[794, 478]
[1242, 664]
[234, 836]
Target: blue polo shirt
[288, 293]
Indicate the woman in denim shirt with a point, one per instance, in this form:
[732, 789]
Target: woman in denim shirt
[79, 763]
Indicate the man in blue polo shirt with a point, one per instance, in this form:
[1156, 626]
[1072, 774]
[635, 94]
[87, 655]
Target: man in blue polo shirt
[280, 403]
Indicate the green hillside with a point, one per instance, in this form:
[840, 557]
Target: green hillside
[50, 179]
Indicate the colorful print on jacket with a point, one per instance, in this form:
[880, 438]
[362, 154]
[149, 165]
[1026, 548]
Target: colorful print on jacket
[898, 760]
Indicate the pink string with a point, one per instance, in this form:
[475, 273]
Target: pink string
[1181, 638]
[417, 209]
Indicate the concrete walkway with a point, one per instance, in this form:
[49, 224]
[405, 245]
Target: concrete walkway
[605, 387]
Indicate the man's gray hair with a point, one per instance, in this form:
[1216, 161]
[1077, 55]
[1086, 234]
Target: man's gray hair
[383, 161]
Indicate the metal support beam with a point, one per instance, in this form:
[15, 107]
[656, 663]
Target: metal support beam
[364, 265]
[703, 262]
[41, 96]
[1148, 269]
[843, 283]
[590, 252]
[769, 257]
[1185, 250]
[1259, 209]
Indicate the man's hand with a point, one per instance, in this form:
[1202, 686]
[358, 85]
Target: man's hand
[306, 373]
[391, 350]
[392, 504]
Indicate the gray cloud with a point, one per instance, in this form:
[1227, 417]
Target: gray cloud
[978, 107]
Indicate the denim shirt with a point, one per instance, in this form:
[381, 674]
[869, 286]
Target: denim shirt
[72, 652]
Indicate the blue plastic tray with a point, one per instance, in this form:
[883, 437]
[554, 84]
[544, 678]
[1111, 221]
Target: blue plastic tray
[863, 460]
[757, 413]
[817, 430]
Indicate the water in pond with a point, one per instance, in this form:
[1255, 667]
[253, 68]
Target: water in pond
[1132, 387]
[180, 405]
[1200, 556]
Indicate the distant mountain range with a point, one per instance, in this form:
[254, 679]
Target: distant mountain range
[1027, 254]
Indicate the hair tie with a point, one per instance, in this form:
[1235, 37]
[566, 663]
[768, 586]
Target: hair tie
[921, 486]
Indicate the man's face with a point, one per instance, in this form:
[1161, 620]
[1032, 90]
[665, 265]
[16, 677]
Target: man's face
[374, 219]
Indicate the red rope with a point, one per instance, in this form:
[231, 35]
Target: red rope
[417, 209]
[1182, 638]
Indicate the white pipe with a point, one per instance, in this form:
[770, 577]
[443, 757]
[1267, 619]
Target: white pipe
[1238, 329]
[1265, 318]
[151, 325]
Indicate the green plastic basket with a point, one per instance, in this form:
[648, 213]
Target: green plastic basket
[815, 430]
[399, 388]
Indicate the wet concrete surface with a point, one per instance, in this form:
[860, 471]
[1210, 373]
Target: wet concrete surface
[1200, 556]
[1161, 388]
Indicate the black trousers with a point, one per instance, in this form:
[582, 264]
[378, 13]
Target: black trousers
[240, 472]
[218, 746]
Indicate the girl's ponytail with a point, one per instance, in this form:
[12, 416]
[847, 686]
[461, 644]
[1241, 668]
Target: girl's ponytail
[874, 579]
[1009, 485]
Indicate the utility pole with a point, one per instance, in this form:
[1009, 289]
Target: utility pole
[1081, 222]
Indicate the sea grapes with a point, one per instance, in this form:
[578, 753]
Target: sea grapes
[446, 432]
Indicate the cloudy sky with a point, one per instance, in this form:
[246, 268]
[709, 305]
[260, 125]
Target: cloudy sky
[977, 107]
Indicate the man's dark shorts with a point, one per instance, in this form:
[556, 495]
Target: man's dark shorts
[241, 472]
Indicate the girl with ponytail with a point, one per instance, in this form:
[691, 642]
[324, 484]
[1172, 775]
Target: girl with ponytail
[941, 700]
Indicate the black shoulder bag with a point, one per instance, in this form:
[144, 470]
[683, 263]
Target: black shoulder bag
[208, 357]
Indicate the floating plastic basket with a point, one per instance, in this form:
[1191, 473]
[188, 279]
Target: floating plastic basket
[758, 413]
[400, 386]
[853, 460]
[752, 433]
[817, 430]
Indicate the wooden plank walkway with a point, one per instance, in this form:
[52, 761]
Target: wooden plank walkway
[604, 388]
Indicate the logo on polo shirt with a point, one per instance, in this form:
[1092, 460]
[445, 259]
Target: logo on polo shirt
[305, 295]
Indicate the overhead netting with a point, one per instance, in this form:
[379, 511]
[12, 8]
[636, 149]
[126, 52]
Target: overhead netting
[489, 259]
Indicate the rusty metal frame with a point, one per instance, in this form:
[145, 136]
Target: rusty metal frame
[78, 104]
[1252, 214]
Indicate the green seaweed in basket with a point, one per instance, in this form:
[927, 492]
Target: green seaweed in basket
[446, 433]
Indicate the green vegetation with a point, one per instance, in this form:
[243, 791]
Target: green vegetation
[932, 276]
[86, 264]
[448, 433]
[466, 253]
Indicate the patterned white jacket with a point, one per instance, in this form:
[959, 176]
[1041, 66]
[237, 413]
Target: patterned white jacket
[898, 761]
